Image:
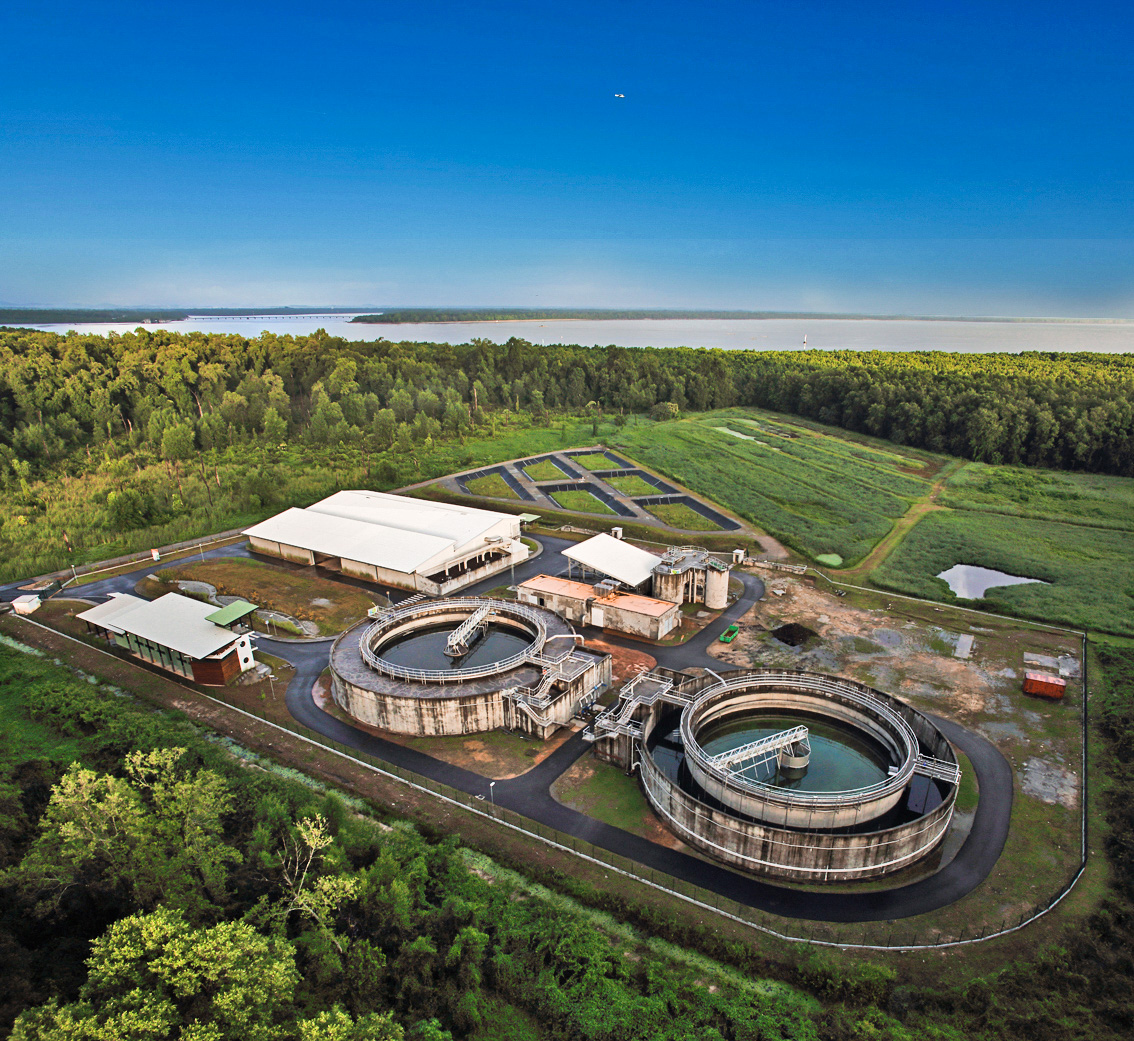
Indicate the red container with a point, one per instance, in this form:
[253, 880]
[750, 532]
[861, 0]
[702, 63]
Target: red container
[1044, 685]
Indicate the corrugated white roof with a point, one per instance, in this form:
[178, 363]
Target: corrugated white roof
[172, 621]
[610, 556]
[118, 604]
[460, 525]
[378, 544]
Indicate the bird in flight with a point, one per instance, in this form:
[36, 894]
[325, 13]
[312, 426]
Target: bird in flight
[620, 95]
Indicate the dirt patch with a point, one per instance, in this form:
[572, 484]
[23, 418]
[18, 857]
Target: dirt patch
[906, 649]
[321, 693]
[1051, 783]
[625, 663]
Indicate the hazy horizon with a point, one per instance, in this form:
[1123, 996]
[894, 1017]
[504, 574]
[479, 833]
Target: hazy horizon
[818, 157]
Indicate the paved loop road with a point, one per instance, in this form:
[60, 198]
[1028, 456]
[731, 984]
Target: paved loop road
[529, 794]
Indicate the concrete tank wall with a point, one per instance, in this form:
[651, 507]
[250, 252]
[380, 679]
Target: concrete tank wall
[786, 807]
[440, 717]
[800, 856]
[669, 587]
[716, 589]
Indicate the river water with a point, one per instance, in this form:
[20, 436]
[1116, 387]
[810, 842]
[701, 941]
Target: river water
[772, 334]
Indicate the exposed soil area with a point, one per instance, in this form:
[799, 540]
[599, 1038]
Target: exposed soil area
[625, 663]
[910, 650]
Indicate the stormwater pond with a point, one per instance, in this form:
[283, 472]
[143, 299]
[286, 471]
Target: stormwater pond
[971, 582]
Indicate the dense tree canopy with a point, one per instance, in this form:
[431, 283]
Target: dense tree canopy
[60, 393]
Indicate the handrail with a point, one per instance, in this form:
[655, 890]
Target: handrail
[813, 684]
[503, 607]
[762, 748]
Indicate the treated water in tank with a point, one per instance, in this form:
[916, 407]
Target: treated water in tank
[425, 648]
[841, 758]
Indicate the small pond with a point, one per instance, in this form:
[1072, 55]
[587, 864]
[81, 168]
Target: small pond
[971, 582]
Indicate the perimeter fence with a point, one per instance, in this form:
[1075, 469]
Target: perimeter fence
[895, 935]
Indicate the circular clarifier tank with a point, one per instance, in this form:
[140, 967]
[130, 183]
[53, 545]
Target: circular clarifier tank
[842, 759]
[866, 790]
[425, 648]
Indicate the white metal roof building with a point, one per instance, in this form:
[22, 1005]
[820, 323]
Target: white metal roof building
[394, 540]
[174, 632]
[607, 555]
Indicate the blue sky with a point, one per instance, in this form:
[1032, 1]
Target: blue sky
[958, 159]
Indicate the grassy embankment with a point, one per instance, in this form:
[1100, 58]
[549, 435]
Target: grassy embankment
[820, 493]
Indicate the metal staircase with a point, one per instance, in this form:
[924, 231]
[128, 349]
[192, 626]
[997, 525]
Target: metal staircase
[645, 689]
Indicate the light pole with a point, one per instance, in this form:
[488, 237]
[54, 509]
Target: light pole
[492, 796]
[272, 684]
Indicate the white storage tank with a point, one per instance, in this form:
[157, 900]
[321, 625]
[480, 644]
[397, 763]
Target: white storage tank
[716, 588]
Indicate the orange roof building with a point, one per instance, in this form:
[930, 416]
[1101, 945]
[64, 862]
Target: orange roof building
[629, 613]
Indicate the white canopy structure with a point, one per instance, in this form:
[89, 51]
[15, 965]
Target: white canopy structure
[397, 540]
[609, 556]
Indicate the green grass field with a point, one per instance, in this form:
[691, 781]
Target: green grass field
[581, 502]
[632, 485]
[493, 485]
[830, 495]
[593, 461]
[1089, 571]
[544, 470]
[818, 491]
[678, 515]
[1091, 499]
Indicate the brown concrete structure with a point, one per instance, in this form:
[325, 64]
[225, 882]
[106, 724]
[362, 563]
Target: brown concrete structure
[602, 606]
[537, 690]
[801, 836]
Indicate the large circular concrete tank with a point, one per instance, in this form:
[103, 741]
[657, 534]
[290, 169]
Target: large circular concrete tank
[716, 589]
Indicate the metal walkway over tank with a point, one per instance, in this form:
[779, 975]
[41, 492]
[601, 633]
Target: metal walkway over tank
[756, 756]
[467, 633]
[646, 689]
